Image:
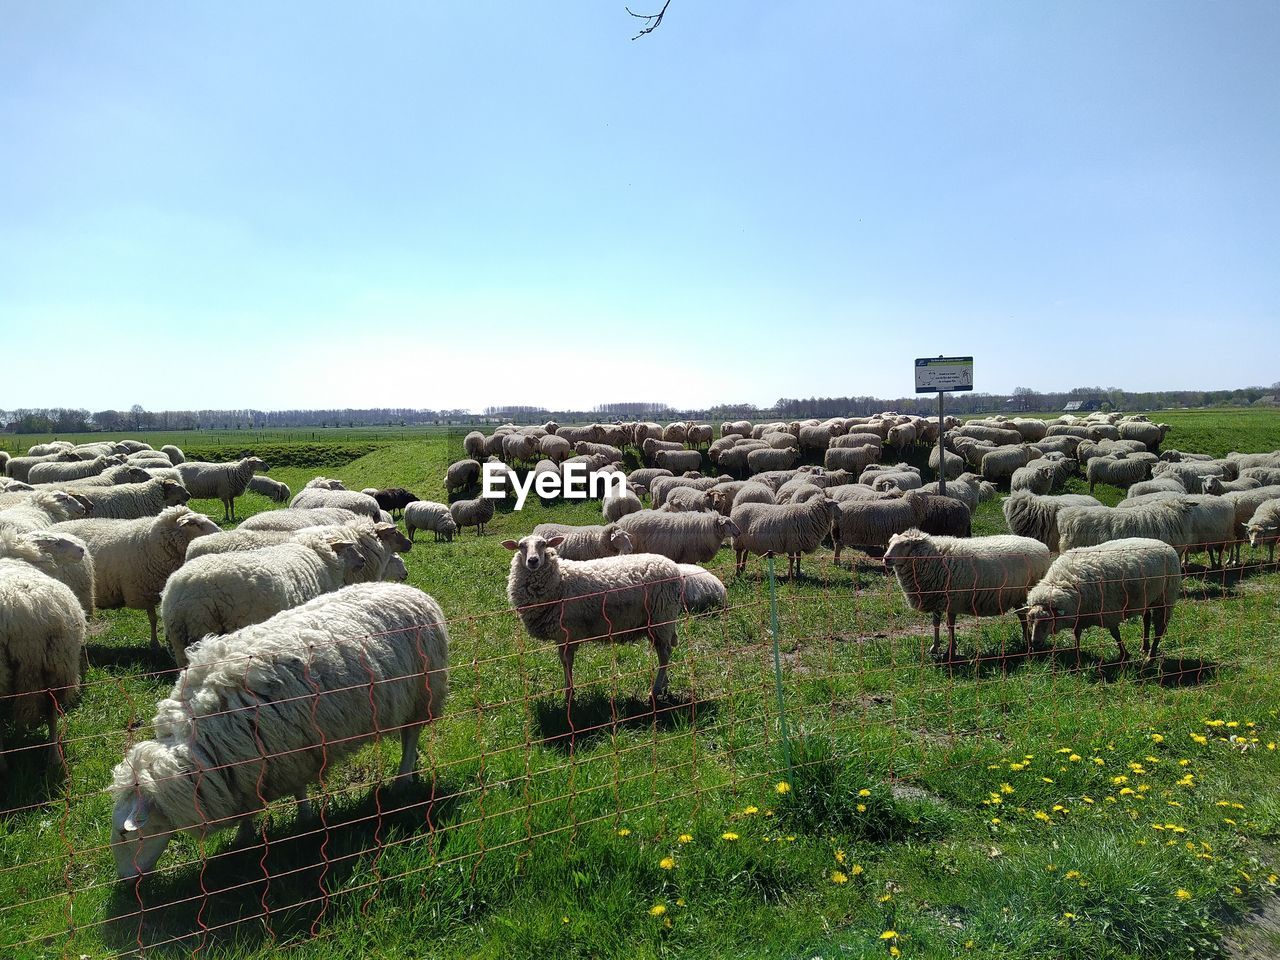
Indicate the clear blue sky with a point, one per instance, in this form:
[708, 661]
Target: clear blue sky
[453, 205]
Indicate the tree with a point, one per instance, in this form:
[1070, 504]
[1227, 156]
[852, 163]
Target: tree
[652, 20]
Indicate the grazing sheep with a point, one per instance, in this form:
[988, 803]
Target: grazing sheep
[1190, 474]
[1149, 433]
[813, 439]
[219, 593]
[473, 444]
[983, 577]
[261, 713]
[1031, 515]
[682, 537]
[292, 519]
[587, 542]
[698, 435]
[677, 461]
[864, 523]
[133, 501]
[1210, 523]
[661, 487]
[175, 455]
[999, 464]
[272, 489]
[782, 441]
[853, 459]
[375, 540]
[133, 558]
[770, 458]
[684, 499]
[58, 555]
[1119, 471]
[701, 590]
[610, 453]
[1216, 486]
[792, 529]
[940, 516]
[472, 513]
[324, 483]
[42, 628]
[1158, 485]
[430, 516]
[554, 448]
[615, 508]
[1264, 527]
[39, 510]
[462, 475]
[1103, 586]
[611, 600]
[954, 463]
[220, 481]
[725, 496]
[897, 480]
[70, 472]
[361, 503]
[1245, 503]
[43, 449]
[111, 477]
[393, 499]
[1167, 521]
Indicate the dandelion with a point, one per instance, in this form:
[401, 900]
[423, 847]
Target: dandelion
[885, 898]
[1075, 758]
[840, 856]
[1006, 788]
[782, 787]
[1126, 791]
[667, 863]
[1042, 816]
[838, 877]
[1072, 874]
[684, 838]
[1068, 915]
[1059, 808]
[790, 838]
[657, 910]
[1046, 780]
[624, 832]
[995, 820]
[1088, 800]
[750, 811]
[857, 871]
[680, 901]
[1015, 767]
[1098, 761]
[1050, 867]
[862, 808]
[1064, 750]
[1120, 779]
[729, 835]
[894, 951]
[1202, 740]
[864, 792]
[889, 935]
[1157, 738]
[564, 919]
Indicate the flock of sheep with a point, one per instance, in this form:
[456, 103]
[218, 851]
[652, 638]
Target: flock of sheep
[298, 644]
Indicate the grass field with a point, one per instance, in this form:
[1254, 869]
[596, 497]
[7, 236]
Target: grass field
[1029, 806]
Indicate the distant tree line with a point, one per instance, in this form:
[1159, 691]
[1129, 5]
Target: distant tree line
[62, 420]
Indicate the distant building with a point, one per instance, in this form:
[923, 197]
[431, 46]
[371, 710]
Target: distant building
[1077, 406]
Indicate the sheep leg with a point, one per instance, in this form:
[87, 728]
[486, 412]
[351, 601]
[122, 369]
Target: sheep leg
[1146, 631]
[836, 543]
[662, 645]
[1115, 632]
[57, 760]
[155, 639]
[245, 834]
[566, 661]
[408, 753]
[937, 633]
[304, 811]
[951, 637]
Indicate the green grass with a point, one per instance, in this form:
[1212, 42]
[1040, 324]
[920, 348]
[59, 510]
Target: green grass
[524, 840]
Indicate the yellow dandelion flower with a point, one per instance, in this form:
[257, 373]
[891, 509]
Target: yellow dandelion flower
[1088, 800]
[1202, 740]
[1184, 762]
[657, 910]
[1059, 808]
[856, 870]
[680, 901]
[666, 922]
[729, 835]
[840, 856]
[1068, 915]
[1233, 723]
[1075, 758]
[684, 838]
[1041, 815]
[1157, 738]
[1228, 820]
[1006, 788]
[624, 832]
[1072, 874]
[1151, 759]
[995, 820]
[884, 898]
[750, 811]
[864, 792]
[790, 838]
[889, 935]
[782, 787]
[894, 951]
[1120, 779]
[1126, 791]
[1098, 761]
[862, 808]
[837, 877]
[667, 863]
[1015, 767]
[1272, 878]
[564, 919]
[1271, 746]
[1050, 867]
[1046, 779]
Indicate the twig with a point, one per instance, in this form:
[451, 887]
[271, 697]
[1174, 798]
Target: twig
[652, 20]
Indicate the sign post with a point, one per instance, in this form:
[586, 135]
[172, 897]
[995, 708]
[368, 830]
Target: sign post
[943, 374]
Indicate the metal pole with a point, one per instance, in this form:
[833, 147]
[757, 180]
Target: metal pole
[777, 670]
[942, 463]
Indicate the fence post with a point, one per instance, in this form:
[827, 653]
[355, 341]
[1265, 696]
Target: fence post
[777, 669]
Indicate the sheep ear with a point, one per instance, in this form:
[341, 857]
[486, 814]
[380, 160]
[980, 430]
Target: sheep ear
[137, 816]
[555, 542]
[510, 544]
[385, 531]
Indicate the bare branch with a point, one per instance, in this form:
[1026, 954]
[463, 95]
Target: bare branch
[652, 20]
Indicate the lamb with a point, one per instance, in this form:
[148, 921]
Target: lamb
[792, 529]
[430, 516]
[42, 629]
[677, 461]
[611, 600]
[1103, 586]
[175, 455]
[393, 499]
[1119, 471]
[1169, 522]
[472, 513]
[220, 481]
[615, 508]
[299, 519]
[701, 590]
[1264, 527]
[61, 556]
[133, 501]
[220, 593]
[133, 558]
[984, 577]
[587, 542]
[40, 510]
[273, 489]
[353, 500]
[462, 475]
[69, 472]
[683, 537]
[261, 713]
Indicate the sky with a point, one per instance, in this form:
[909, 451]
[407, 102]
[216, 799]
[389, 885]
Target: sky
[457, 205]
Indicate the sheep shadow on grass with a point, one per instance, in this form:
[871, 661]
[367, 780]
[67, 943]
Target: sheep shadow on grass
[134, 656]
[282, 888]
[33, 776]
[596, 716]
[1165, 671]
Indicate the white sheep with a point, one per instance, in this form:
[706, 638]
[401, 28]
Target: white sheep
[110, 477]
[614, 508]
[261, 713]
[292, 519]
[272, 489]
[69, 472]
[677, 461]
[867, 523]
[133, 501]
[472, 513]
[40, 510]
[1158, 485]
[461, 475]
[1210, 522]
[353, 500]
[430, 516]
[1032, 515]
[1103, 586]
[611, 600]
[1116, 470]
[1037, 479]
[1167, 521]
[59, 555]
[983, 576]
[1264, 527]
[693, 537]
[701, 590]
[175, 455]
[592, 542]
[42, 629]
[133, 558]
[220, 481]
[790, 529]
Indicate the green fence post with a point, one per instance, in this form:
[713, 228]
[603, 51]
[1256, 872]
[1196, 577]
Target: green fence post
[777, 669]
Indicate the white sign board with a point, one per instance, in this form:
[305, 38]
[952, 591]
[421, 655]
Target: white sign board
[943, 374]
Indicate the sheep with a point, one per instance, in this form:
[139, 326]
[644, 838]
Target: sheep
[684, 499]
[518, 448]
[1168, 521]
[1158, 485]
[1216, 486]
[554, 448]
[781, 441]
[376, 540]
[133, 558]
[770, 458]
[292, 519]
[43, 449]
[698, 435]
[792, 529]
[897, 480]
[58, 555]
[954, 463]
[1267, 476]
[611, 453]
[263, 712]
[219, 593]
[683, 537]
[1000, 436]
[644, 476]
[175, 455]
[272, 489]
[352, 500]
[472, 513]
[430, 516]
[947, 576]
[1031, 515]
[725, 496]
[70, 472]
[1037, 479]
[1190, 474]
[678, 460]
[867, 523]
[133, 501]
[1245, 460]
[220, 481]
[19, 468]
[1264, 527]
[902, 436]
[736, 426]
[1115, 470]
[610, 600]
[42, 630]
[701, 590]
[1149, 433]
[614, 508]
[999, 464]
[473, 444]
[939, 515]
[110, 477]
[734, 460]
[854, 459]
[1104, 585]
[461, 475]
[393, 499]
[587, 542]
[815, 439]
[40, 510]
[14, 486]
[661, 486]
[324, 483]
[1246, 503]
